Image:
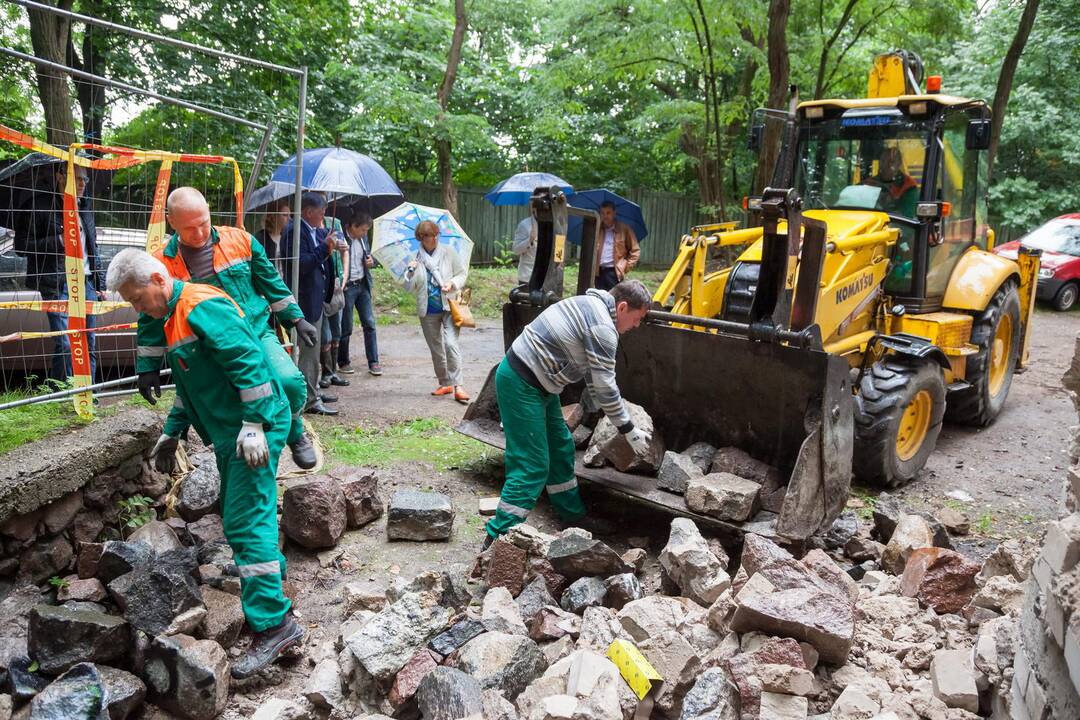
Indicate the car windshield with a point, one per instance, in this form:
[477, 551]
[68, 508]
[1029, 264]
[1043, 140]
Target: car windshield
[870, 159]
[1055, 236]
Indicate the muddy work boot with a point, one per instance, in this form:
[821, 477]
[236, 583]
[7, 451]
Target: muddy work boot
[267, 646]
[303, 452]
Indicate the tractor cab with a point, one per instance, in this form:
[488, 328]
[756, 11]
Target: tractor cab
[919, 159]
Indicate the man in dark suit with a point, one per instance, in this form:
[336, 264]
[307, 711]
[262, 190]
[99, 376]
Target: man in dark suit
[316, 282]
[40, 238]
[358, 286]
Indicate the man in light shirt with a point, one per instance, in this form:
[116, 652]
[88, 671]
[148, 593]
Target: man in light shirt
[524, 247]
[617, 249]
[358, 295]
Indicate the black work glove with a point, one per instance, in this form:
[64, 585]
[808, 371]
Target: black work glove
[164, 454]
[150, 385]
[307, 332]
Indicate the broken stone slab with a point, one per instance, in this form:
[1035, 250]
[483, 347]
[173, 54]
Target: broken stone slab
[743, 668]
[408, 678]
[677, 662]
[943, 580]
[507, 567]
[124, 692]
[853, 703]
[676, 471]
[507, 663]
[420, 516]
[843, 529]
[160, 537]
[778, 706]
[622, 589]
[313, 513]
[556, 651]
[859, 549]
[583, 593]
[610, 444]
[738, 462]
[150, 597]
[821, 565]
[1008, 558]
[207, 529]
[575, 556]
[713, 697]
[499, 612]
[778, 678]
[187, 677]
[911, 532]
[691, 564]
[362, 502]
[457, 635]
[59, 638]
[582, 434]
[723, 495]
[224, 617]
[61, 512]
[386, 642]
[449, 694]
[953, 679]
[701, 454]
[1000, 593]
[599, 627]
[534, 597]
[583, 685]
[651, 616]
[956, 522]
[282, 709]
[187, 622]
[89, 590]
[635, 558]
[811, 615]
[538, 567]
[22, 683]
[886, 514]
[529, 539]
[362, 595]
[552, 623]
[200, 491]
[323, 686]
[42, 560]
[487, 506]
[78, 693]
[119, 557]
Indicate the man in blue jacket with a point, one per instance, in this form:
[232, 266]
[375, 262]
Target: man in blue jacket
[316, 282]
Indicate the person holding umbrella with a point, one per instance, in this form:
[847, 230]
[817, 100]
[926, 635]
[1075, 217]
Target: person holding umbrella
[617, 249]
[436, 275]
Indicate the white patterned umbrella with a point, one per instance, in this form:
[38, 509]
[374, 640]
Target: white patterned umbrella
[394, 241]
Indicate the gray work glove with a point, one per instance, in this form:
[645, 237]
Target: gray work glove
[164, 454]
[307, 333]
[639, 440]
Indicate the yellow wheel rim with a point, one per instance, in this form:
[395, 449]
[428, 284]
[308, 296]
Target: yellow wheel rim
[914, 425]
[1000, 352]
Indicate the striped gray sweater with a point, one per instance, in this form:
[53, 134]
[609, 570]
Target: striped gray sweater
[575, 339]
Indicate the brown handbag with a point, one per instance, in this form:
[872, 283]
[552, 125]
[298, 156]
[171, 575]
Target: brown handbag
[460, 312]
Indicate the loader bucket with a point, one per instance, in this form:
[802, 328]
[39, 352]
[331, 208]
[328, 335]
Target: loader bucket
[787, 406]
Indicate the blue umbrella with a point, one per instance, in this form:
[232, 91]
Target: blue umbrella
[626, 211]
[517, 189]
[394, 241]
[343, 172]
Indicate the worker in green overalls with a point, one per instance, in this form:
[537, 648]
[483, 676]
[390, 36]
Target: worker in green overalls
[231, 259]
[227, 389]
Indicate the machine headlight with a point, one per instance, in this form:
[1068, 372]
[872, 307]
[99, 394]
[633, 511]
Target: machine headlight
[1046, 273]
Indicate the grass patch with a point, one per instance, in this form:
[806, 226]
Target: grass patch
[490, 287]
[954, 504]
[984, 524]
[429, 440]
[869, 502]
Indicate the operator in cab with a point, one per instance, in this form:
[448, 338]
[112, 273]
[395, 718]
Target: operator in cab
[899, 191]
[575, 339]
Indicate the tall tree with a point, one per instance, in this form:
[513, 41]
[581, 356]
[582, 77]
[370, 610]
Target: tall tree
[1005, 78]
[779, 78]
[49, 37]
[442, 142]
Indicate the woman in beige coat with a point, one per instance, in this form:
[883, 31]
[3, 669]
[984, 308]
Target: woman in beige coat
[436, 275]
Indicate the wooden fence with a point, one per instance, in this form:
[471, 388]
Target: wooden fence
[668, 216]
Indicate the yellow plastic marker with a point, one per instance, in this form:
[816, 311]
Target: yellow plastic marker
[638, 673]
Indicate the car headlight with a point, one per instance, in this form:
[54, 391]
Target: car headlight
[1046, 273]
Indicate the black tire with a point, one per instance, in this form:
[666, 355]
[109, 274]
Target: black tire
[1066, 297]
[887, 388]
[977, 405]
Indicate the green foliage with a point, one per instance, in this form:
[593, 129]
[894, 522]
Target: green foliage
[27, 423]
[33, 667]
[984, 524]
[58, 582]
[428, 440]
[134, 512]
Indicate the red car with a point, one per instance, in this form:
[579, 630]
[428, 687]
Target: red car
[1059, 274]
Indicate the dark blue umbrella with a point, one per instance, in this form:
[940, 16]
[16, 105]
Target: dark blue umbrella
[338, 171]
[626, 211]
[517, 189]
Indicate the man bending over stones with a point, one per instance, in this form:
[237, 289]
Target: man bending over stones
[227, 389]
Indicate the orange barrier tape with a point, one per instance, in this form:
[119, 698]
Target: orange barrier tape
[95, 307]
[34, 335]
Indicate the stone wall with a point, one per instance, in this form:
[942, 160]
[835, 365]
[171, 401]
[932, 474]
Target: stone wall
[64, 490]
[1046, 677]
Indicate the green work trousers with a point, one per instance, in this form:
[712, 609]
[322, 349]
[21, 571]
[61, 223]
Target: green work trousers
[292, 380]
[539, 453]
[249, 515]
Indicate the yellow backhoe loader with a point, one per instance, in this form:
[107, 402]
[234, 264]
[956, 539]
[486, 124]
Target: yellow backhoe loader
[837, 349]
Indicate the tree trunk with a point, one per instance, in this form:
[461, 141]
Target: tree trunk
[49, 38]
[91, 95]
[1005, 79]
[779, 74]
[823, 61]
[442, 146]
